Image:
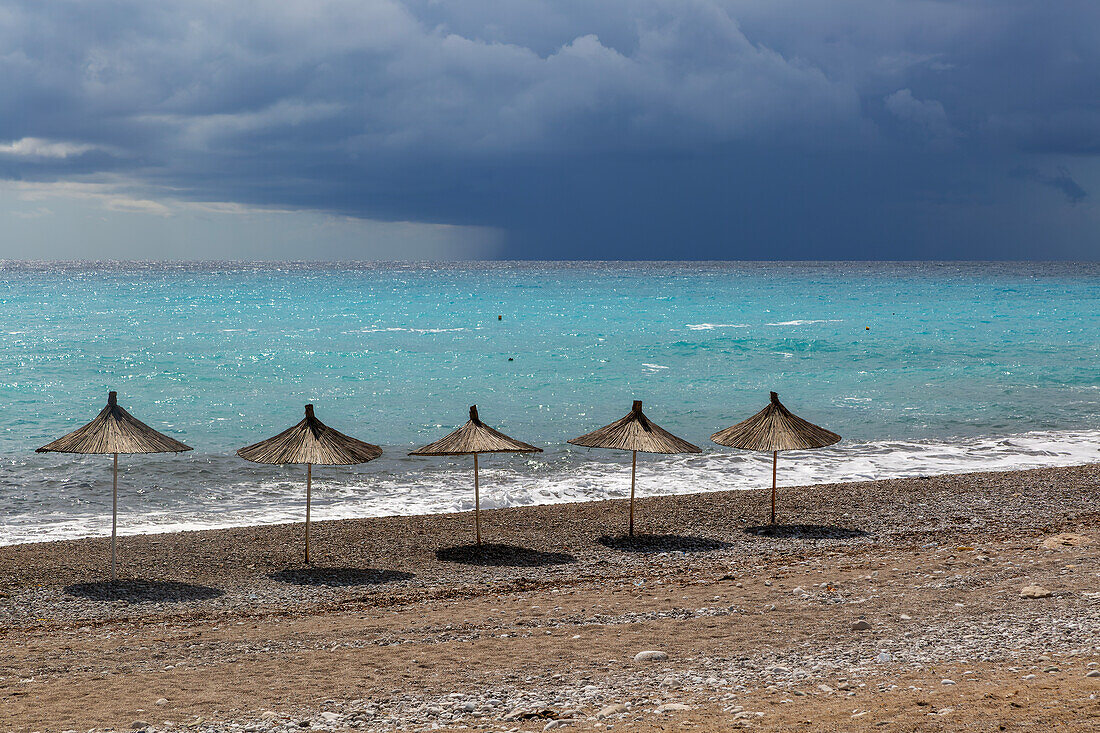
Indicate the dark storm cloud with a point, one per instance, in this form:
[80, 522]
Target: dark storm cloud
[1060, 181]
[660, 128]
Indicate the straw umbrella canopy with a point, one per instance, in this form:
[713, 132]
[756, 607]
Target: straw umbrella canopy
[471, 439]
[310, 442]
[775, 428]
[635, 433]
[114, 431]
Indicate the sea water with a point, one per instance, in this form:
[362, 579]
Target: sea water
[922, 368]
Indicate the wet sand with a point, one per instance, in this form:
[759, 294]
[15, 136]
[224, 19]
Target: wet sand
[400, 624]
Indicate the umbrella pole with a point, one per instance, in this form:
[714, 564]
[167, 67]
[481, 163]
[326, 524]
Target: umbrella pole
[309, 495]
[775, 459]
[477, 502]
[633, 474]
[114, 515]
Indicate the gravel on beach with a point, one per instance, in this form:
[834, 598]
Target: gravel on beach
[870, 599]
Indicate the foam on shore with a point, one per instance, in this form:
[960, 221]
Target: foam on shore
[409, 487]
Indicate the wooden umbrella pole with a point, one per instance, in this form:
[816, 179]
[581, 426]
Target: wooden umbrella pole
[633, 474]
[114, 516]
[775, 459]
[477, 502]
[309, 496]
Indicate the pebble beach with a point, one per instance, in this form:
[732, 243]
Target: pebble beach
[956, 602]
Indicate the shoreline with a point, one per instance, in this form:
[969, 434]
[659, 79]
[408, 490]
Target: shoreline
[546, 506]
[569, 524]
[365, 508]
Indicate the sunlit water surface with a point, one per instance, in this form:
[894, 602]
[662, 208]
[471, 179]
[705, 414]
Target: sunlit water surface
[923, 368]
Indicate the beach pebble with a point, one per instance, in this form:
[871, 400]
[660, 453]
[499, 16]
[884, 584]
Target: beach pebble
[671, 707]
[557, 724]
[1093, 673]
[331, 717]
[1035, 591]
[614, 709]
[650, 656]
[947, 682]
[161, 702]
[1066, 539]
[861, 625]
[884, 658]
[780, 670]
[139, 725]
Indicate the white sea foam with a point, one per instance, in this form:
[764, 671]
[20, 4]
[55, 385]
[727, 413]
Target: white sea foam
[805, 322]
[712, 326]
[565, 478]
[395, 329]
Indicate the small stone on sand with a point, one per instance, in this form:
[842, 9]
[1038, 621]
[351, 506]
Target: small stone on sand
[615, 709]
[1035, 591]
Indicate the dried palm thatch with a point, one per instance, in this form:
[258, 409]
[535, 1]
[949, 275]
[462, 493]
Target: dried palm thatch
[310, 442]
[635, 433]
[472, 438]
[775, 428]
[114, 431]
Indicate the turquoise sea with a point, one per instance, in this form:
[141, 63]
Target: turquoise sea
[922, 367]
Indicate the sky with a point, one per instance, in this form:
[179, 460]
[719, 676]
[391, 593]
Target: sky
[564, 129]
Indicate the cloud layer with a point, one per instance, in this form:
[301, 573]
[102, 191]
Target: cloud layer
[652, 128]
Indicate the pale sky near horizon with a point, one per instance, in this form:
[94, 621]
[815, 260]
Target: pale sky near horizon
[565, 129]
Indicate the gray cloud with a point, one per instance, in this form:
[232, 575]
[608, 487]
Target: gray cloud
[927, 117]
[568, 124]
[1061, 181]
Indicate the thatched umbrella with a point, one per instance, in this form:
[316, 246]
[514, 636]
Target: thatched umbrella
[635, 433]
[310, 442]
[472, 438]
[774, 429]
[114, 431]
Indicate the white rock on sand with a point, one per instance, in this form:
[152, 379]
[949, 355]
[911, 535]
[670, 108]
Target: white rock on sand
[1066, 539]
[651, 655]
[615, 709]
[1035, 591]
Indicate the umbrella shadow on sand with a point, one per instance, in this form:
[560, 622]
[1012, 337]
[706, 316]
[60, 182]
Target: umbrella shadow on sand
[497, 555]
[805, 531]
[661, 543]
[143, 591]
[340, 577]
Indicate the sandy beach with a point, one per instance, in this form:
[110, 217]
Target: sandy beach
[892, 605]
